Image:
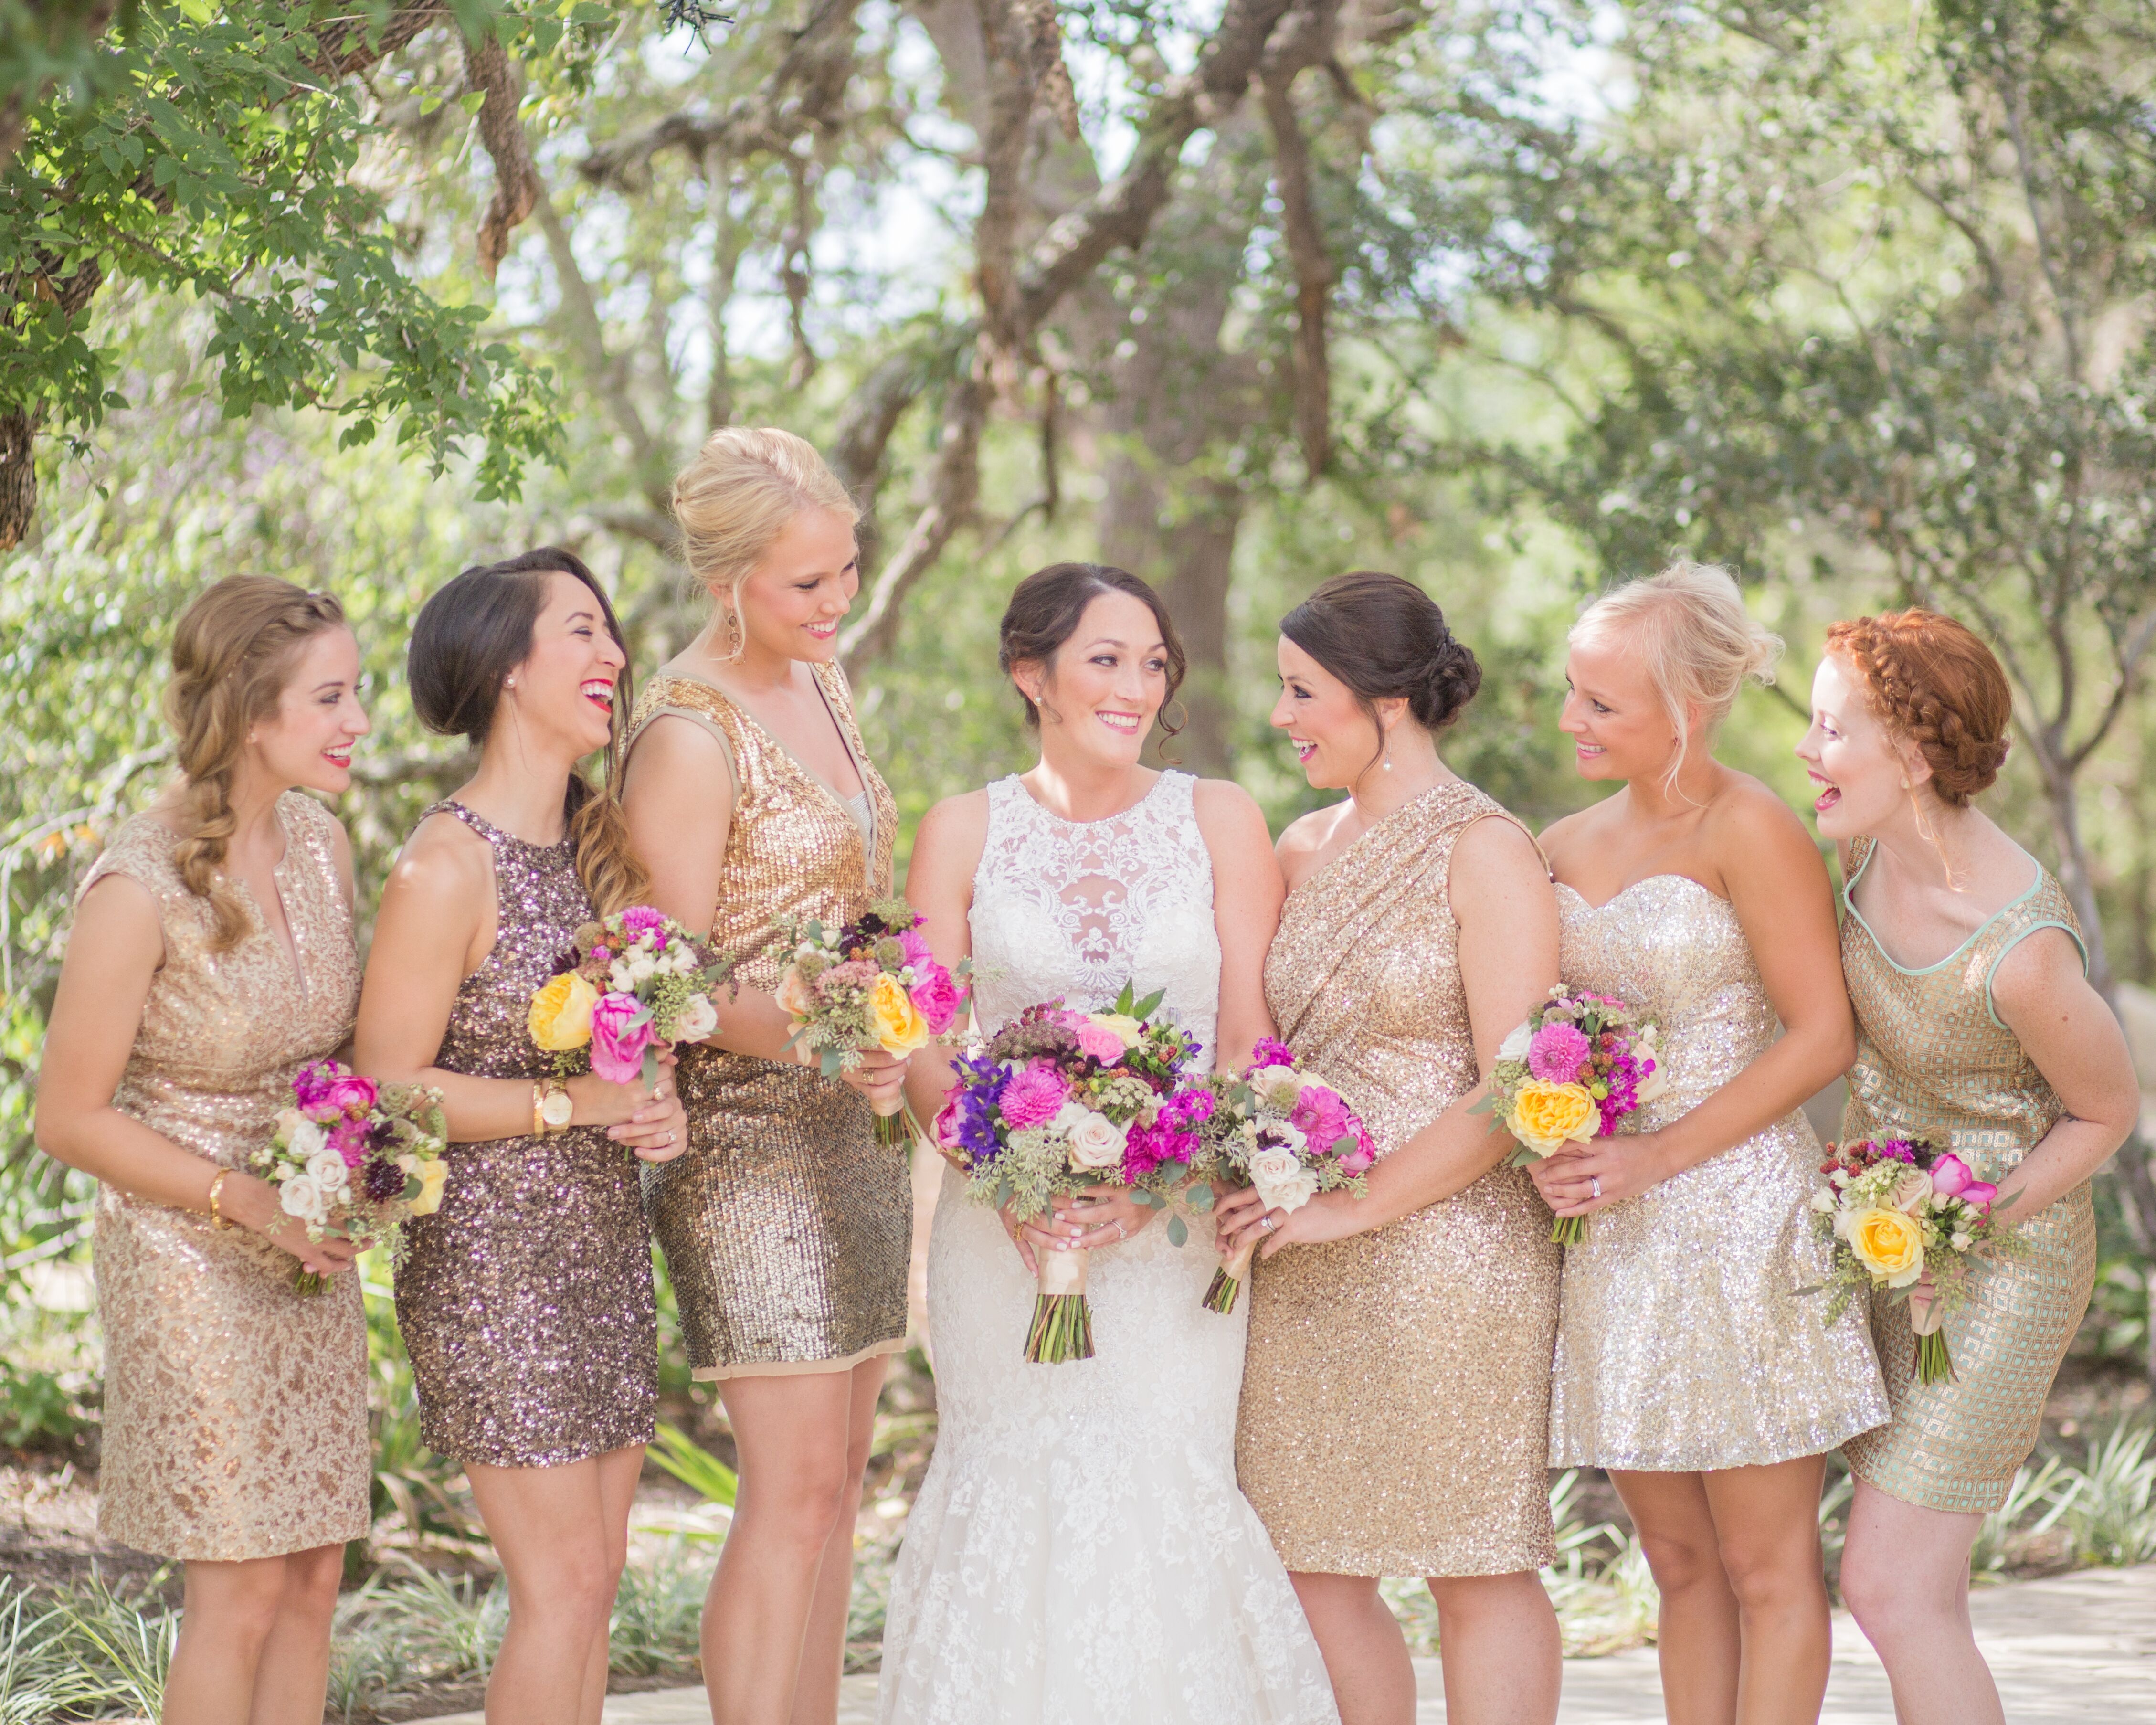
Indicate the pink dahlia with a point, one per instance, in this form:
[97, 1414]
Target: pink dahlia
[1558, 1052]
[1033, 1096]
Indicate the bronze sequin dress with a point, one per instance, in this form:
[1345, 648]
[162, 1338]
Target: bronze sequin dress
[788, 1229]
[1932, 1061]
[1685, 1346]
[1395, 1409]
[526, 1300]
[235, 1408]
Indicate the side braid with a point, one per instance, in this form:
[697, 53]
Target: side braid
[1934, 684]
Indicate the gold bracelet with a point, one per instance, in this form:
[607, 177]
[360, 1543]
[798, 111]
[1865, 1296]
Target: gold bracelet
[538, 1110]
[216, 1191]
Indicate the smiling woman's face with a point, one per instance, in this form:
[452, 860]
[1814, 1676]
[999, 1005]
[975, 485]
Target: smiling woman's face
[1861, 776]
[567, 683]
[792, 600]
[1614, 713]
[1102, 689]
[1332, 735]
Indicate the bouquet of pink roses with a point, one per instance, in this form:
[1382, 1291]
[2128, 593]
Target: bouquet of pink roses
[1285, 1134]
[1575, 1069]
[352, 1159]
[635, 984]
[1059, 1100]
[872, 983]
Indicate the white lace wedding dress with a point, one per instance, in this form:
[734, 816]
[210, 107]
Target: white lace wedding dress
[1079, 1553]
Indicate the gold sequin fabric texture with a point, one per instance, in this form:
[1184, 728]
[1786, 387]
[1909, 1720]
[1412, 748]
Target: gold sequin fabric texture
[235, 1410]
[788, 1229]
[1395, 1409]
[526, 1300]
[1934, 1060]
[1685, 1345]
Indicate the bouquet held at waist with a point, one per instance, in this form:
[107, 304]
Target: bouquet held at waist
[634, 984]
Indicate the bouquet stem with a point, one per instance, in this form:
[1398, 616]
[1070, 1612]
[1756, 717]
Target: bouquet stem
[1062, 1326]
[1227, 1282]
[309, 1285]
[1928, 1316]
[1933, 1364]
[1569, 1231]
[895, 1125]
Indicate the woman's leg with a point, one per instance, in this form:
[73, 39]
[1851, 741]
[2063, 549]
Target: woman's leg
[228, 1612]
[618, 1472]
[792, 1434]
[1905, 1573]
[824, 1647]
[1504, 1662]
[1365, 1654]
[1766, 1523]
[294, 1674]
[1698, 1641]
[549, 1528]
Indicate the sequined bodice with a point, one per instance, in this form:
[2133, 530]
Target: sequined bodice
[1675, 953]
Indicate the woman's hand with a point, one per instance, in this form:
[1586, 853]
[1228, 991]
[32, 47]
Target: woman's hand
[1241, 1219]
[1097, 1216]
[252, 1204]
[658, 1131]
[879, 1077]
[1579, 1181]
[597, 1102]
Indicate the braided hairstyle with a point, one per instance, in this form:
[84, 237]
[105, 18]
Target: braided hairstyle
[1932, 682]
[233, 649]
[1385, 638]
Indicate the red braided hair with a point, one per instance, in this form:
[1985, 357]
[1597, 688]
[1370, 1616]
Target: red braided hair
[1933, 683]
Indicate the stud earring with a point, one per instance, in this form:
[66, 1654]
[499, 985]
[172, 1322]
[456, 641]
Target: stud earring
[509, 683]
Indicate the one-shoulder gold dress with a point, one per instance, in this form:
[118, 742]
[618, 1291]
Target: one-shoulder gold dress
[1934, 1060]
[788, 1229]
[1395, 1411]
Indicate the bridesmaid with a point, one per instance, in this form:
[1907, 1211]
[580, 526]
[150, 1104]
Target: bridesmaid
[1687, 1363]
[212, 957]
[1975, 1024]
[1396, 1395]
[526, 1301]
[787, 1228]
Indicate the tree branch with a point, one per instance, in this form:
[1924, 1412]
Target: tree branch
[1311, 368]
[517, 185]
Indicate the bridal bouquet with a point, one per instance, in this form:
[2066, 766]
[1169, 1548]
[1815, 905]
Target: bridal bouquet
[1285, 1134]
[873, 983]
[634, 984]
[1575, 1069]
[1901, 1214]
[1058, 1101]
[352, 1159]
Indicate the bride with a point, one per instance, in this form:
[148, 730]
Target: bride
[1079, 1553]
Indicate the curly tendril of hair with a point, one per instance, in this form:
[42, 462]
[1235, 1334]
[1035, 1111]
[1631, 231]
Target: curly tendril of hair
[232, 652]
[1933, 683]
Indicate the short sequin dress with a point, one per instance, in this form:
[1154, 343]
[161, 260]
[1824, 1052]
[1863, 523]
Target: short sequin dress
[526, 1300]
[1934, 1060]
[1686, 1346]
[235, 1408]
[1395, 1407]
[787, 1228]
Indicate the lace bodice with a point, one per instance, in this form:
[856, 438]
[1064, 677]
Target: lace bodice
[1075, 909]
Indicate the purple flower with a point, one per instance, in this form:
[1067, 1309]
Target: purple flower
[641, 919]
[1271, 1051]
[383, 1180]
[349, 1137]
[617, 1042]
[916, 949]
[1558, 1052]
[1033, 1096]
[1321, 1116]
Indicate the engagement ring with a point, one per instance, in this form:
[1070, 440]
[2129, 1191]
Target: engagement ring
[1594, 1184]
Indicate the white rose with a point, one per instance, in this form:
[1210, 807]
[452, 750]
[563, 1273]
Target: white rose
[1287, 1189]
[642, 968]
[326, 1170]
[1823, 1201]
[620, 980]
[300, 1197]
[698, 1019]
[289, 1122]
[1515, 1046]
[1273, 1167]
[307, 1140]
[683, 961]
[1961, 1242]
[1066, 1118]
[1097, 1142]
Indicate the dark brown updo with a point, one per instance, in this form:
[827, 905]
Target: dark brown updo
[1043, 612]
[1386, 638]
[1932, 682]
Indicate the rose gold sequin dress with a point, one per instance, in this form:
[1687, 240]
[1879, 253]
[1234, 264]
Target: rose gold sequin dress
[1395, 1411]
[235, 1410]
[788, 1229]
[1932, 1061]
[526, 1300]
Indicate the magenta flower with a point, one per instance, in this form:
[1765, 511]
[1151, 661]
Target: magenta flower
[1271, 1051]
[641, 919]
[618, 1043]
[915, 949]
[310, 1087]
[937, 998]
[1320, 1117]
[1558, 1052]
[349, 1138]
[1952, 1178]
[1033, 1096]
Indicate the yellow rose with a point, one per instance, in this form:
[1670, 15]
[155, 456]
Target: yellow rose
[562, 1012]
[1121, 1024]
[899, 1029]
[434, 1173]
[1545, 1116]
[1888, 1243]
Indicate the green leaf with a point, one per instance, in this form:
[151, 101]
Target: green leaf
[1177, 1232]
[472, 101]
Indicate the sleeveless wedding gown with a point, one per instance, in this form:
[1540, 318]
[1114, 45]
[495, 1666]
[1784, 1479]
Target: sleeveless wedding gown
[1079, 1553]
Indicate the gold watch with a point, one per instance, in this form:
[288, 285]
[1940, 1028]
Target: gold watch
[551, 1108]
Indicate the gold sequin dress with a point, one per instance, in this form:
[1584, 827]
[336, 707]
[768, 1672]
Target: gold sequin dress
[235, 1408]
[1395, 1406]
[1934, 1060]
[787, 1228]
[526, 1300]
[1685, 1346]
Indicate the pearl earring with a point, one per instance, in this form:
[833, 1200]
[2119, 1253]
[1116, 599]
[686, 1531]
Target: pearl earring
[509, 683]
[1388, 760]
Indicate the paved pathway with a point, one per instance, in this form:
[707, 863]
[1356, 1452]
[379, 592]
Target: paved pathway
[2076, 1649]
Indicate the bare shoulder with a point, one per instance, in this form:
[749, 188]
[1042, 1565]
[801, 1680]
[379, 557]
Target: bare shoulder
[954, 833]
[1748, 822]
[1498, 841]
[673, 750]
[1307, 834]
[443, 864]
[1568, 832]
[1225, 809]
[2039, 972]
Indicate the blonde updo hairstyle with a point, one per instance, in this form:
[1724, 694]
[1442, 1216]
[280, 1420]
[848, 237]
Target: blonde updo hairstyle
[232, 652]
[1689, 629]
[737, 496]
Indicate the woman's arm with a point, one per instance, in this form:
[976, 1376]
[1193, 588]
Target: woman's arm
[113, 953]
[1247, 893]
[2040, 994]
[939, 884]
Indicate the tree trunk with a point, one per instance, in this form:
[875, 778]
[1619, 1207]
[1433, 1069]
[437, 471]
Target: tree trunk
[19, 476]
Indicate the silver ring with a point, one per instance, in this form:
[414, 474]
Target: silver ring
[1267, 1223]
[1594, 1184]
[1120, 1233]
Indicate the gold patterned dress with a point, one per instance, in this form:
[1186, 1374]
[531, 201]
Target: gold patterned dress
[1395, 1408]
[235, 1408]
[1934, 1060]
[787, 1228]
[1685, 1346]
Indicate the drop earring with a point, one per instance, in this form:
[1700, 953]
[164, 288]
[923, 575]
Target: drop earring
[1388, 760]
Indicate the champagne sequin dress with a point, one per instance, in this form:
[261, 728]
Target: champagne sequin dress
[1685, 1346]
[235, 1408]
[526, 1300]
[1395, 1406]
[787, 1228]
[1932, 1061]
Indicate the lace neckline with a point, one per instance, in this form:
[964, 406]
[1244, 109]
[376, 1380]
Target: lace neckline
[1018, 787]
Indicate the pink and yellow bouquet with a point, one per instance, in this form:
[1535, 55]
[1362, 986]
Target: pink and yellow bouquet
[1904, 1216]
[1285, 1134]
[1569, 1074]
[353, 1159]
[1059, 1100]
[871, 984]
[636, 983]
